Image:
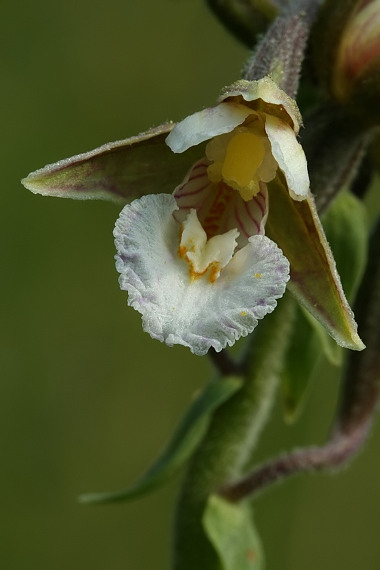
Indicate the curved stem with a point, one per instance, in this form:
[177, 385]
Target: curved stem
[335, 453]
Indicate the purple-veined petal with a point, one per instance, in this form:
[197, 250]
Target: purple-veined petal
[219, 207]
[289, 155]
[196, 313]
[206, 124]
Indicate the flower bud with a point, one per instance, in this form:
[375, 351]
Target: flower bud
[358, 56]
[347, 54]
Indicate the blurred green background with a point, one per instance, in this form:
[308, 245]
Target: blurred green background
[86, 398]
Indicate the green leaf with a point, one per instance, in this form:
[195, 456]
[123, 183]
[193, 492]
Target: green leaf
[230, 529]
[301, 361]
[118, 171]
[185, 439]
[327, 343]
[346, 227]
[347, 231]
[314, 281]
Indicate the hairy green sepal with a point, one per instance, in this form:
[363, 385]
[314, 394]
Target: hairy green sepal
[119, 171]
[346, 230]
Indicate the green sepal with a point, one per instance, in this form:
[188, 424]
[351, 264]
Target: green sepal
[314, 280]
[230, 529]
[185, 439]
[346, 230]
[118, 171]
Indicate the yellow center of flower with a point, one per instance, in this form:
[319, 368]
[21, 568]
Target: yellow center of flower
[242, 159]
[206, 258]
[245, 153]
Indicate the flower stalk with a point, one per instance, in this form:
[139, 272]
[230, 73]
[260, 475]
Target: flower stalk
[230, 439]
[281, 51]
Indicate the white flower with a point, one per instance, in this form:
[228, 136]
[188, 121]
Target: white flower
[190, 290]
[196, 264]
[252, 133]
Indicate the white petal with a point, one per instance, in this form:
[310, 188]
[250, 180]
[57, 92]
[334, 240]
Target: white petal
[197, 314]
[201, 252]
[289, 156]
[206, 124]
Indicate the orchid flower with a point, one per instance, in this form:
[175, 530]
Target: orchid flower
[176, 254]
[194, 259]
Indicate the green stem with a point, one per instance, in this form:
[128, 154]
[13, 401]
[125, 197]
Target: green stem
[281, 50]
[230, 439]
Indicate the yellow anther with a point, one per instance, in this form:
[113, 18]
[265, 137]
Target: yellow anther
[245, 153]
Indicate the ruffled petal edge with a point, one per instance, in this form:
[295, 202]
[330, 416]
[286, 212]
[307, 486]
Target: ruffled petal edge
[197, 314]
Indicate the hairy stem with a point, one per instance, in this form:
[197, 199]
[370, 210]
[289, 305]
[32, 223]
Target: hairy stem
[281, 51]
[230, 439]
[335, 453]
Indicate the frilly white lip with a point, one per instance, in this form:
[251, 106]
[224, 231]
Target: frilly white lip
[196, 313]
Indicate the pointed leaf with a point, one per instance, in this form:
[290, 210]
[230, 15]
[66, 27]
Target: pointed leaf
[230, 529]
[346, 228]
[118, 171]
[186, 438]
[314, 280]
